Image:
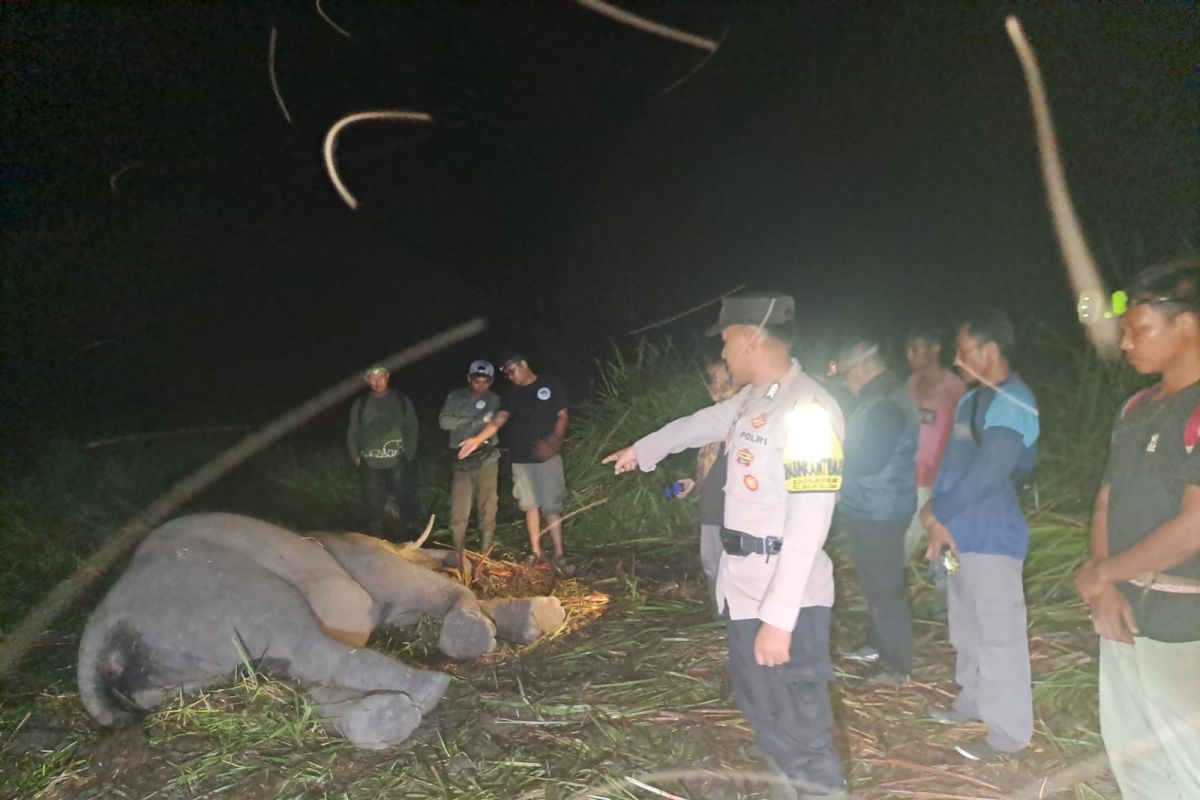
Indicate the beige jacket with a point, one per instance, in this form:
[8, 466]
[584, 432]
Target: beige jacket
[784, 450]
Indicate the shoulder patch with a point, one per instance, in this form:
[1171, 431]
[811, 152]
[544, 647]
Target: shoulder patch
[812, 454]
[1191, 433]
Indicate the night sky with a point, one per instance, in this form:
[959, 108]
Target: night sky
[877, 161]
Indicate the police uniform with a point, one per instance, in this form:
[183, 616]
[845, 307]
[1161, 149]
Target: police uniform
[783, 449]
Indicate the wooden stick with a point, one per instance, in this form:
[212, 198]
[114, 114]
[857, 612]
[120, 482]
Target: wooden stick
[650, 788]
[141, 437]
[581, 510]
[648, 26]
[931, 795]
[17, 643]
[691, 310]
[699, 66]
[331, 142]
[271, 72]
[945, 773]
[1081, 267]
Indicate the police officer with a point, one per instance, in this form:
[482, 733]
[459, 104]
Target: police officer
[782, 437]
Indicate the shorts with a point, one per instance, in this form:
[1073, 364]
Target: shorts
[540, 486]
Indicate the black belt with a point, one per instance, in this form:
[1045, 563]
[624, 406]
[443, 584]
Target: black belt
[737, 543]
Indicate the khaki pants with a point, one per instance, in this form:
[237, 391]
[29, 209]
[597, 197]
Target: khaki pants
[1150, 717]
[478, 486]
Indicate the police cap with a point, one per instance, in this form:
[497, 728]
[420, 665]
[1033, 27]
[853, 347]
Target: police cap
[760, 309]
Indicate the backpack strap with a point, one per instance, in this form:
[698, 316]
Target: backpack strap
[1138, 398]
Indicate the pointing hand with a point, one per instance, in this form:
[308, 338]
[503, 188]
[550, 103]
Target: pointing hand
[623, 460]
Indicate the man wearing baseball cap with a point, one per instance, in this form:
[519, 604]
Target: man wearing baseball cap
[534, 415]
[782, 458]
[466, 411]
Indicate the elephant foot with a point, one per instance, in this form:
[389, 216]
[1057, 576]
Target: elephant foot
[427, 689]
[372, 721]
[467, 633]
[524, 621]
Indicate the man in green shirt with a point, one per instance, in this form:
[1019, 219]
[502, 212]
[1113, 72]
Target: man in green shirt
[382, 441]
[1143, 580]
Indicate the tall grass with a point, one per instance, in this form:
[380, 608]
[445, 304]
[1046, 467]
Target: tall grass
[636, 395]
[1079, 396]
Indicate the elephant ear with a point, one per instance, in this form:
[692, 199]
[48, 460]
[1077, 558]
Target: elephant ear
[467, 633]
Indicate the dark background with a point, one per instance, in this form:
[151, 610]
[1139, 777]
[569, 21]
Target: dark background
[877, 160]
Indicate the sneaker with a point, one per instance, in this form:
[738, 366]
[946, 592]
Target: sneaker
[948, 716]
[888, 677]
[864, 655]
[979, 750]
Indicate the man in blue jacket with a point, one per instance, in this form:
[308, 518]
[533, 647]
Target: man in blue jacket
[976, 514]
[878, 501]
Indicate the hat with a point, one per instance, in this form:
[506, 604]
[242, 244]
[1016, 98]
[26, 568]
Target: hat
[754, 308]
[511, 357]
[378, 369]
[481, 367]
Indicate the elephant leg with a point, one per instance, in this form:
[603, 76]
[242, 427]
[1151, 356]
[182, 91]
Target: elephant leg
[370, 720]
[316, 660]
[467, 632]
[524, 620]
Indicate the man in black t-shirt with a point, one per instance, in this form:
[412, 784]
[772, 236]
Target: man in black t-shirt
[1143, 580]
[533, 414]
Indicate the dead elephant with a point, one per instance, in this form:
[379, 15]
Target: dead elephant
[204, 593]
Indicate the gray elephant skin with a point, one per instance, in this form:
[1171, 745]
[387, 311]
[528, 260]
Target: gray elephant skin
[207, 593]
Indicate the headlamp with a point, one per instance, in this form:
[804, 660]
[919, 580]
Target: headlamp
[1091, 307]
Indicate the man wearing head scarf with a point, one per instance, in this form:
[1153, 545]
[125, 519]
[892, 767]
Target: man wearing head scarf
[877, 502]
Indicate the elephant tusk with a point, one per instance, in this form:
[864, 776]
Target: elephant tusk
[425, 535]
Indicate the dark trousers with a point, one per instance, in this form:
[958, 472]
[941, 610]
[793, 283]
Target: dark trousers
[877, 549]
[397, 484]
[788, 706]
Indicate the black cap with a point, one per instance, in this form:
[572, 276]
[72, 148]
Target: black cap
[510, 357]
[759, 309]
